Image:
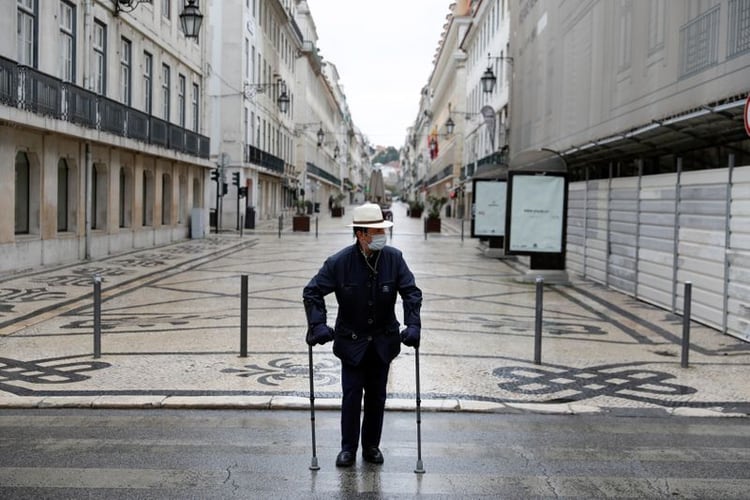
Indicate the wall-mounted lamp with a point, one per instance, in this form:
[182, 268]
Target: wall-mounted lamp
[127, 5]
[489, 79]
[450, 125]
[282, 101]
[321, 135]
[191, 19]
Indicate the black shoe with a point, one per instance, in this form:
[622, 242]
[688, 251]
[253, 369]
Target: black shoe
[373, 455]
[345, 459]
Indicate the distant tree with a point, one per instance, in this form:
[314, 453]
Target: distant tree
[386, 155]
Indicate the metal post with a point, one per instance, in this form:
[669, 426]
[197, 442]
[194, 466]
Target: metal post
[316, 227]
[243, 316]
[687, 299]
[242, 224]
[538, 321]
[280, 223]
[97, 316]
[462, 230]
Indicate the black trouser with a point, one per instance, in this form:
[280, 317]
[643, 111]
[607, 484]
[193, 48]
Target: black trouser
[371, 376]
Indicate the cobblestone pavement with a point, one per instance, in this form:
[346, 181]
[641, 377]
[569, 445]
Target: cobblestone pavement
[171, 333]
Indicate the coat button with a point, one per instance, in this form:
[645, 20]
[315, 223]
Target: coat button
[369, 321]
[354, 336]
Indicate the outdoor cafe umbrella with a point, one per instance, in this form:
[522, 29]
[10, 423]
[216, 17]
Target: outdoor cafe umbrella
[376, 187]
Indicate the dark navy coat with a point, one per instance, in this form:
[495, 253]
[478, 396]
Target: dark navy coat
[367, 302]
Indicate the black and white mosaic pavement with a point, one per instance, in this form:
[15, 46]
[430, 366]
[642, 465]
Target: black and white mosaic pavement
[171, 328]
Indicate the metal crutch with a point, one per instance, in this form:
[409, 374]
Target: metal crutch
[419, 469]
[314, 461]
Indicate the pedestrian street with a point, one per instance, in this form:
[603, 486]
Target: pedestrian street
[170, 327]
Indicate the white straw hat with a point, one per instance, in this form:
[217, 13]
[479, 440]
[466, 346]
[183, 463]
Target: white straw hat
[369, 215]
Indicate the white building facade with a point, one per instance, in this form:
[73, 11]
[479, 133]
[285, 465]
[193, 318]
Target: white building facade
[101, 129]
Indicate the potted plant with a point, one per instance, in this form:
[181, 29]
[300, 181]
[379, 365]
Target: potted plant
[300, 220]
[415, 208]
[337, 210]
[432, 221]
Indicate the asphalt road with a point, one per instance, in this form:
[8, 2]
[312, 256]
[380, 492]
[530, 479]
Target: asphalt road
[84, 453]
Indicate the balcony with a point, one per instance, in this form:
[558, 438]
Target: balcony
[25, 88]
[267, 160]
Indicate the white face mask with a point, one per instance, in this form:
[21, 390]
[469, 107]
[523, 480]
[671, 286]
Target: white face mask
[378, 242]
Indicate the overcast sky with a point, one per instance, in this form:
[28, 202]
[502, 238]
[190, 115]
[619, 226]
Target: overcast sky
[383, 50]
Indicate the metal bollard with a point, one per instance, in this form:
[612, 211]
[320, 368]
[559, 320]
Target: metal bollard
[281, 221]
[316, 227]
[687, 299]
[243, 316]
[242, 224]
[97, 316]
[462, 230]
[538, 321]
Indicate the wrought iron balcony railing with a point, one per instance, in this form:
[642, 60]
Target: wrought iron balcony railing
[26, 88]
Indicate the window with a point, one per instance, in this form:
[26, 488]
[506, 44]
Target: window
[99, 197]
[26, 32]
[166, 9]
[63, 178]
[166, 200]
[624, 34]
[196, 107]
[126, 197]
[100, 58]
[181, 99]
[165, 96]
[147, 214]
[125, 70]
[23, 183]
[67, 42]
[656, 21]
[148, 76]
[738, 40]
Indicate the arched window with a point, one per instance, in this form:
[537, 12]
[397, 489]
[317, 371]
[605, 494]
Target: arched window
[99, 197]
[148, 198]
[166, 200]
[23, 175]
[126, 197]
[63, 187]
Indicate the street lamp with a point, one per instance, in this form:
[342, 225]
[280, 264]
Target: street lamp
[489, 79]
[449, 125]
[282, 101]
[321, 135]
[191, 19]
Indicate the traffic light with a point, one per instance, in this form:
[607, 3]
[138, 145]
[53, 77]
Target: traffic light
[243, 192]
[236, 179]
[224, 188]
[215, 175]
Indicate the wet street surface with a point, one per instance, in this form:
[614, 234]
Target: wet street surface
[77, 453]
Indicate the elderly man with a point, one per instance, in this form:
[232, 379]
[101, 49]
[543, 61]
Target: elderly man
[365, 277]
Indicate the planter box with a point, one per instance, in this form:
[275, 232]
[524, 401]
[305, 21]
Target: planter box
[301, 223]
[431, 225]
[337, 212]
[415, 213]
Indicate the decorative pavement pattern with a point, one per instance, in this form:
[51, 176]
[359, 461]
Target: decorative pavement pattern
[171, 332]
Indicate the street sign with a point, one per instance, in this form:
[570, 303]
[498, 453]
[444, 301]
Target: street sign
[747, 115]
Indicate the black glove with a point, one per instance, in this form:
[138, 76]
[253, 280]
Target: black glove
[319, 334]
[410, 336]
